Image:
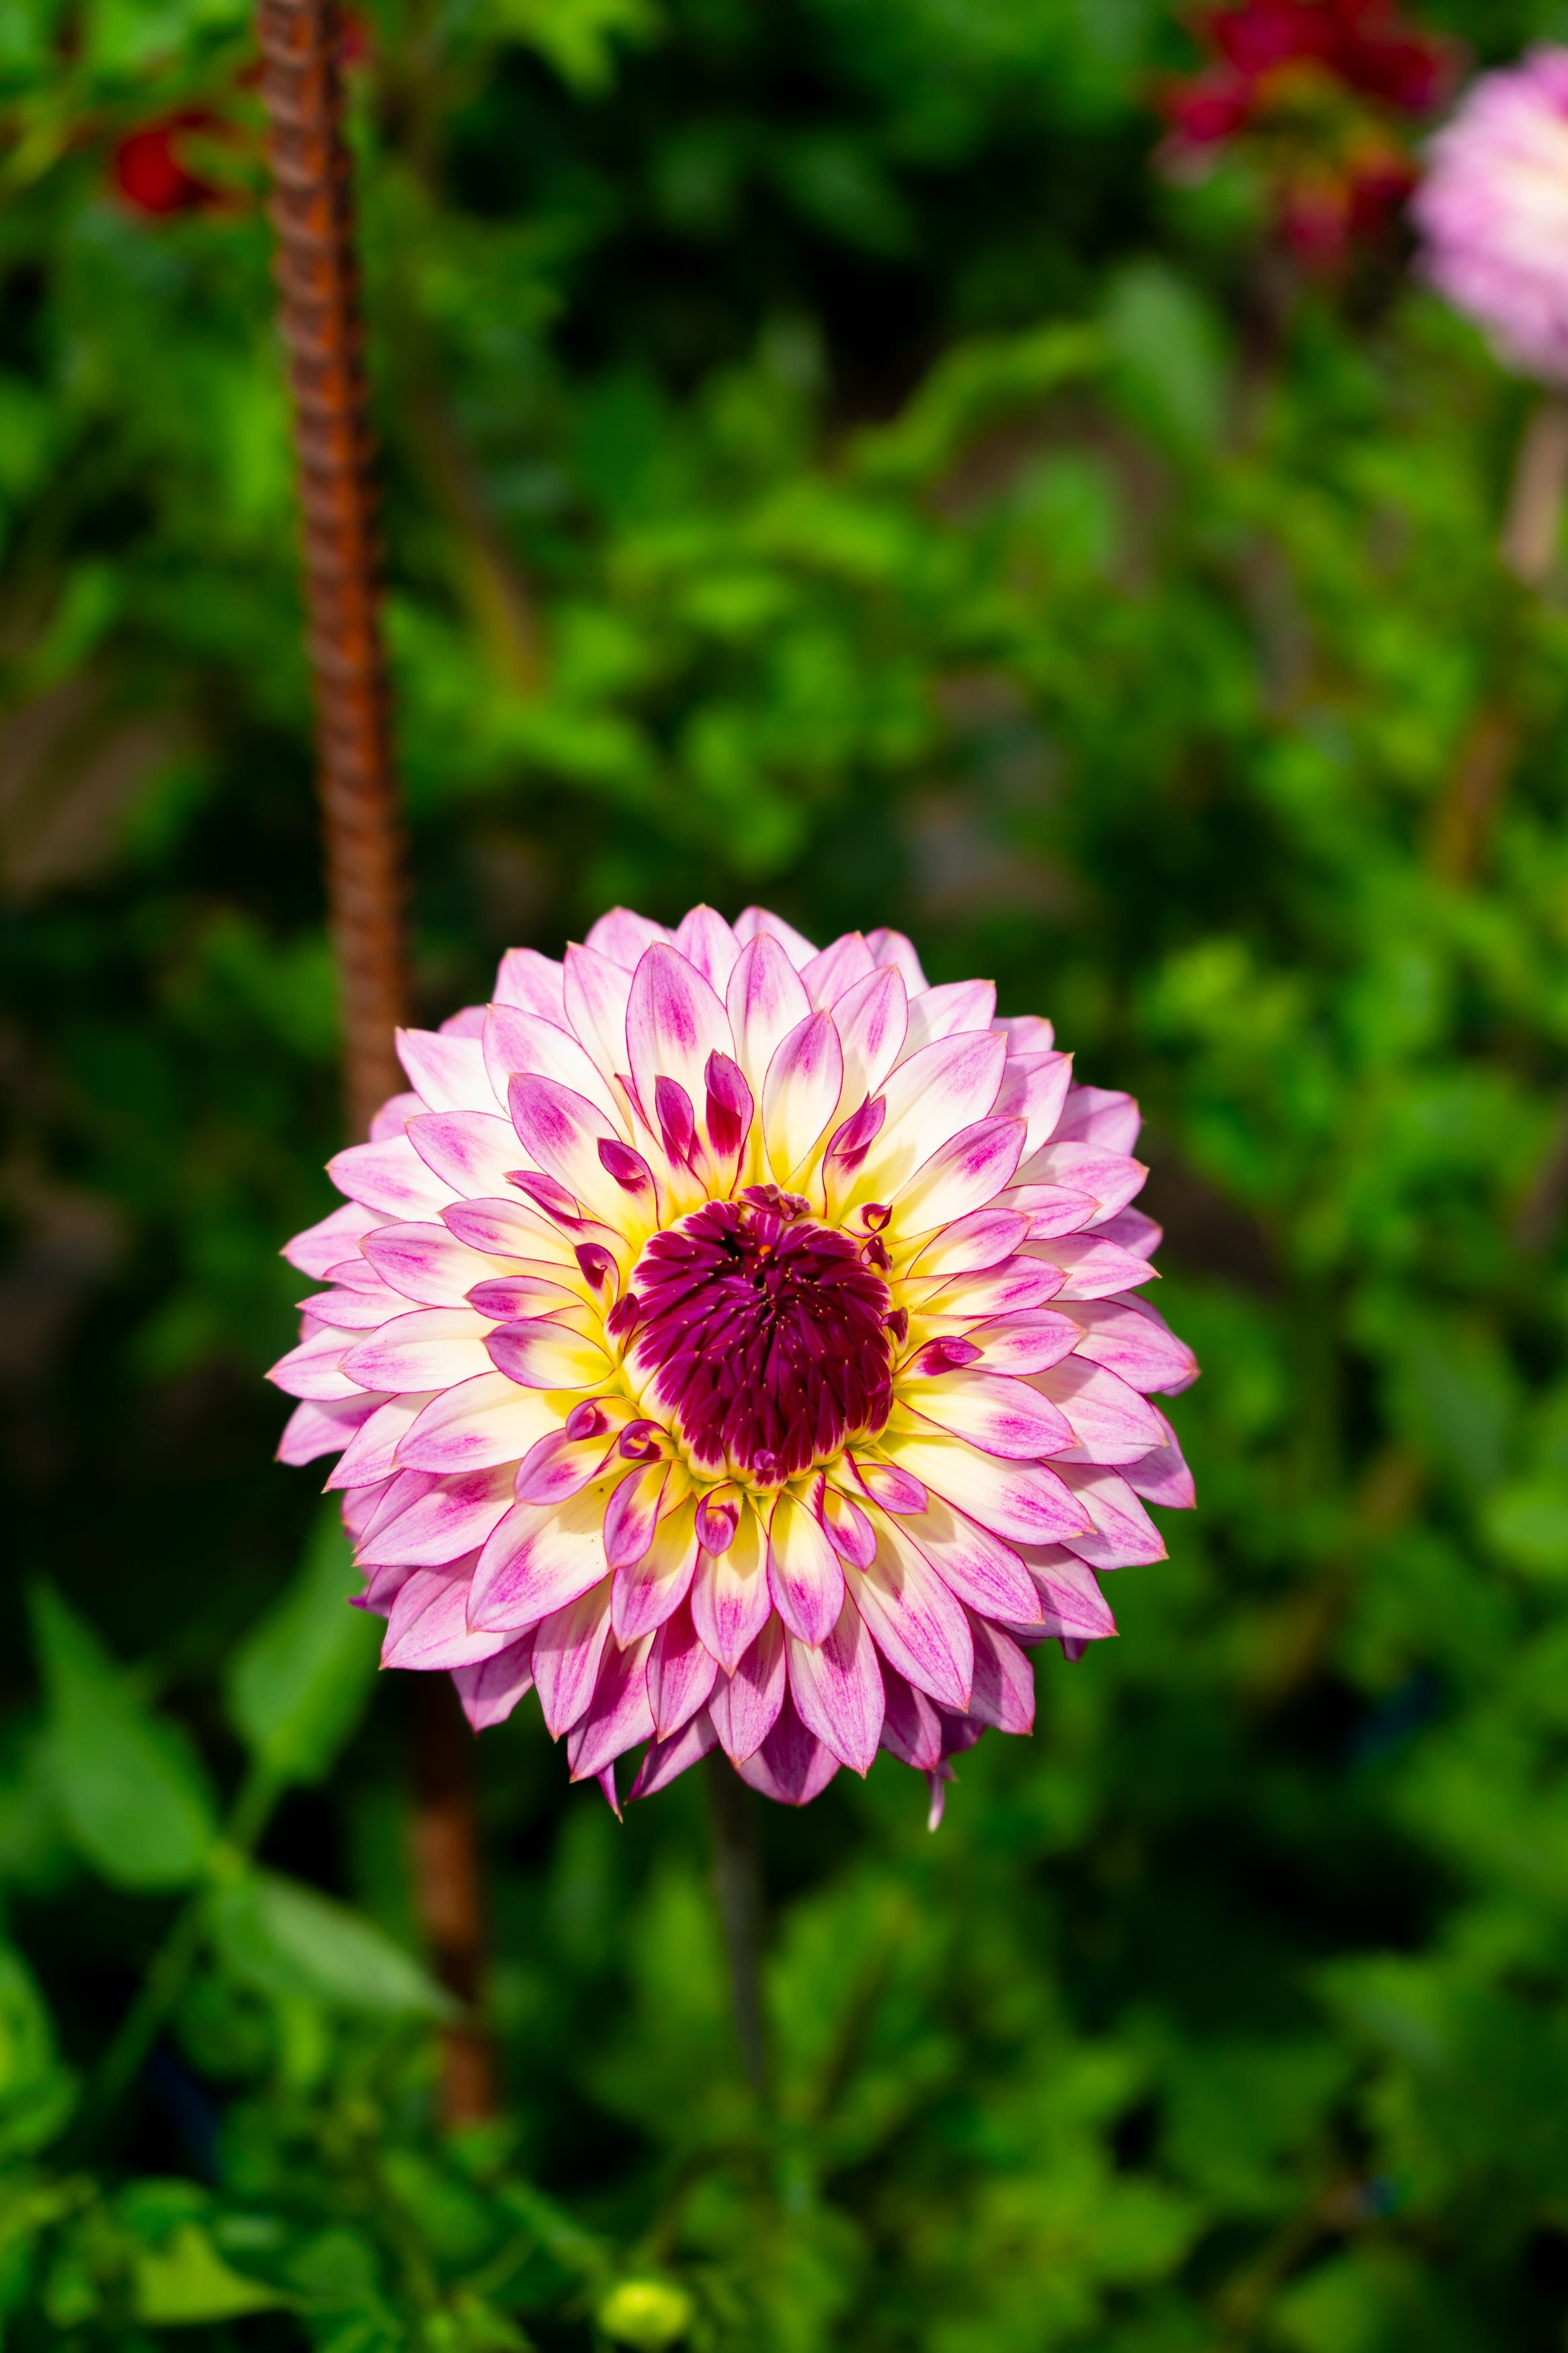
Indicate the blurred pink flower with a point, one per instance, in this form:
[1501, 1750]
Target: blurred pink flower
[1493, 211]
[740, 1343]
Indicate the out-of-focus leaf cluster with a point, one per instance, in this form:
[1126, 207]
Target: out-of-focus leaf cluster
[823, 464]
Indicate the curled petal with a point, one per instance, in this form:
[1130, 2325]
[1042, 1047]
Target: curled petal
[1023, 1501]
[632, 1515]
[914, 1620]
[1001, 1416]
[618, 1716]
[647, 1591]
[984, 1238]
[849, 1532]
[729, 1108]
[1111, 1422]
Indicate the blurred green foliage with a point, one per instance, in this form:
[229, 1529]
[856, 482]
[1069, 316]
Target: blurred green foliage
[824, 464]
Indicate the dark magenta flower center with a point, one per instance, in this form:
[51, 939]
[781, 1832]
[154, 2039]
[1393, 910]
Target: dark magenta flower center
[767, 1335]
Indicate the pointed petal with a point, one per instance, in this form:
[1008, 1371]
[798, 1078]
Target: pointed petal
[911, 1727]
[1111, 1422]
[803, 1573]
[892, 948]
[944, 1011]
[447, 1073]
[622, 936]
[475, 1424]
[472, 1151]
[984, 1238]
[1132, 1339]
[567, 1648]
[667, 1759]
[872, 1020]
[492, 1688]
[390, 1177]
[632, 1513]
[974, 1564]
[539, 1353]
[1091, 1267]
[705, 940]
[426, 1627]
[792, 1766]
[516, 1046]
[596, 990]
[1123, 1535]
[314, 1369]
[836, 968]
[1024, 1343]
[533, 983]
[432, 1348]
[321, 1246]
[930, 1098]
[681, 1672]
[1109, 1178]
[745, 1707]
[913, 1619]
[320, 1426]
[1002, 1693]
[618, 1716]
[729, 1598]
[836, 1687]
[1034, 1089]
[1000, 1416]
[673, 1021]
[800, 1092]
[766, 1001]
[1070, 1600]
[562, 1132]
[427, 1263]
[1162, 1476]
[1099, 1116]
[1023, 1501]
[451, 1519]
[541, 1558]
[966, 1174]
[648, 1591]
[752, 922]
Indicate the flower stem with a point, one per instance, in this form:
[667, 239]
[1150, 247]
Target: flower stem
[738, 1882]
[1532, 529]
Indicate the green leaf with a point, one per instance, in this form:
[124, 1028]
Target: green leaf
[293, 1944]
[37, 2094]
[186, 2281]
[299, 1684]
[128, 1787]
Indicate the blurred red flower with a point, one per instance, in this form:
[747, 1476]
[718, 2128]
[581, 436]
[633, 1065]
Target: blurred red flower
[1317, 92]
[152, 176]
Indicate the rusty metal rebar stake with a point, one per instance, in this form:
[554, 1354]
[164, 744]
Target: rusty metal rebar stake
[320, 320]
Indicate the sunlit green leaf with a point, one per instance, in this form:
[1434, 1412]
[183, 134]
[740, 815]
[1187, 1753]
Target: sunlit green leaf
[287, 1940]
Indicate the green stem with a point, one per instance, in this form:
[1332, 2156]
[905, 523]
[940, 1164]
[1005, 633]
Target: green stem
[160, 1989]
[738, 1882]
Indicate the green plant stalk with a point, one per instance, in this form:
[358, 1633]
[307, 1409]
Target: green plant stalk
[160, 1989]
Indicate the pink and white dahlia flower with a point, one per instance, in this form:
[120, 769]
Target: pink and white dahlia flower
[1493, 210]
[739, 1344]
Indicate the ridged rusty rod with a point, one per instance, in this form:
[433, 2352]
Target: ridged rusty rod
[318, 316]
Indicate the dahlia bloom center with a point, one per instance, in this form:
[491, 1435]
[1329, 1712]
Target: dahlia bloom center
[768, 1337]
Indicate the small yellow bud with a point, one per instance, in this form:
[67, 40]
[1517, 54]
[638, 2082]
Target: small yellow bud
[646, 2312]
